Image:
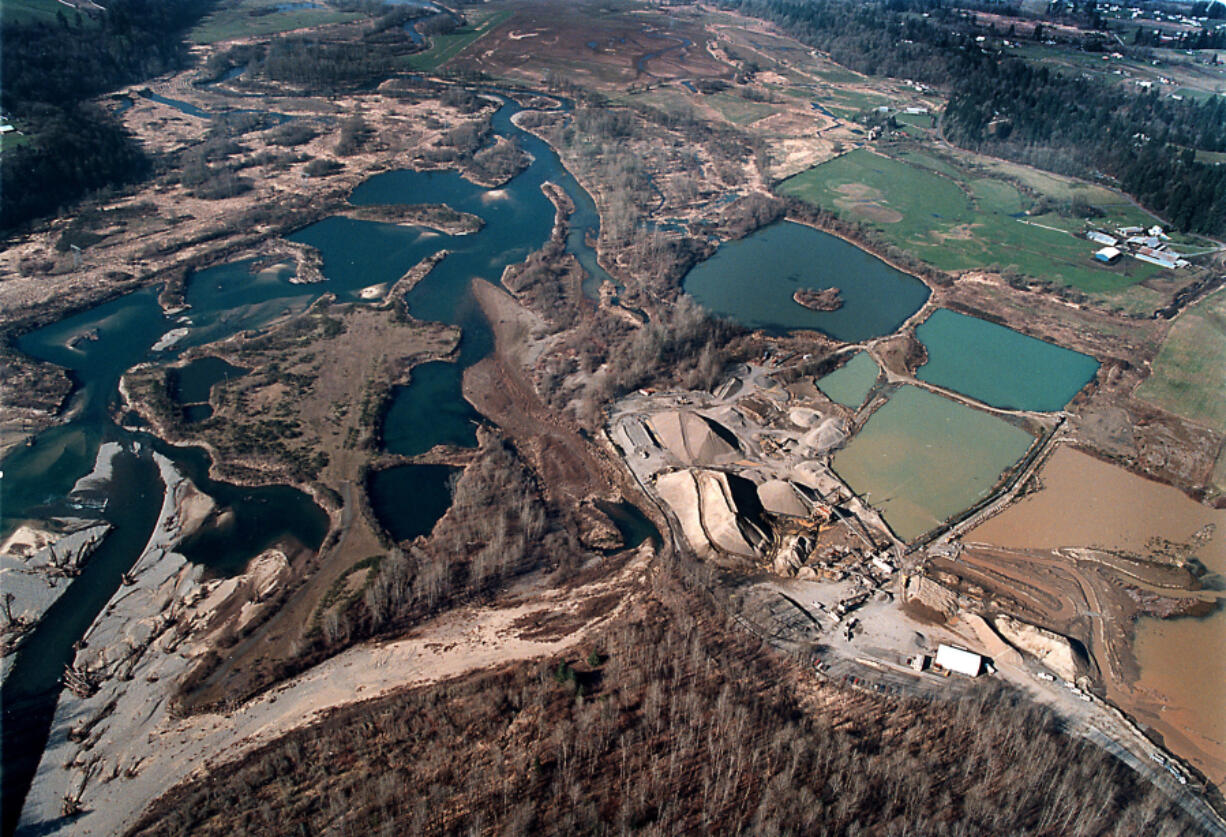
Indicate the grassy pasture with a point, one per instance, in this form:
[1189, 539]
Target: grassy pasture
[1053, 185]
[443, 48]
[11, 141]
[37, 11]
[235, 20]
[956, 221]
[738, 110]
[1189, 375]
[915, 120]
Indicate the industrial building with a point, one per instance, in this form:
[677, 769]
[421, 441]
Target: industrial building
[960, 660]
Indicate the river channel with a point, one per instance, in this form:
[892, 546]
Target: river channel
[98, 345]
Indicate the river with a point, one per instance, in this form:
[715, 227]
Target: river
[98, 345]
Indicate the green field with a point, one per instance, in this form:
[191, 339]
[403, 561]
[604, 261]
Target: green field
[957, 221]
[10, 141]
[1053, 185]
[738, 110]
[445, 47]
[917, 120]
[1189, 375]
[234, 20]
[32, 11]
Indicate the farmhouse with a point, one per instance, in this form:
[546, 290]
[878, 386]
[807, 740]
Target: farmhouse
[1162, 258]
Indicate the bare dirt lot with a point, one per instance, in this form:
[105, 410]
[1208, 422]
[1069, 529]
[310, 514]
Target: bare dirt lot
[581, 44]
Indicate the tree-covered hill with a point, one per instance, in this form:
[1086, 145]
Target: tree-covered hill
[1013, 108]
[49, 70]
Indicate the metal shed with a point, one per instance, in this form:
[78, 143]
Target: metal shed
[959, 660]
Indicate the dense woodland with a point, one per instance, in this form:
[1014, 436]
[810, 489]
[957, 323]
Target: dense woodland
[1010, 108]
[669, 723]
[50, 70]
[1075, 126]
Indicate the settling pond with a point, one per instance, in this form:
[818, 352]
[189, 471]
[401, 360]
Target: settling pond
[850, 384]
[752, 281]
[921, 458]
[1182, 687]
[1000, 366]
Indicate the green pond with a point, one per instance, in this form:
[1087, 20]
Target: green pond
[850, 383]
[752, 281]
[998, 365]
[922, 458]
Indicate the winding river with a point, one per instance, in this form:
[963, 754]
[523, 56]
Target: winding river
[98, 345]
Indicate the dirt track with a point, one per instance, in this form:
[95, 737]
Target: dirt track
[569, 467]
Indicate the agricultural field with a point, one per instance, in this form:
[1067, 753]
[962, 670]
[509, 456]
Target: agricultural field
[1189, 375]
[1053, 185]
[10, 141]
[956, 220]
[1214, 157]
[243, 18]
[739, 110]
[583, 43]
[443, 48]
[44, 11]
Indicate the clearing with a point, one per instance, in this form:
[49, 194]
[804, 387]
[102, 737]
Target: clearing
[1189, 374]
[246, 18]
[956, 219]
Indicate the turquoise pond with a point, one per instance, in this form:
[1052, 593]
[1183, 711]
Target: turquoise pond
[849, 385]
[752, 281]
[1000, 366]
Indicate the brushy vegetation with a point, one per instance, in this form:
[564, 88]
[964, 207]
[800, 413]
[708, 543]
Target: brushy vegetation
[498, 528]
[668, 724]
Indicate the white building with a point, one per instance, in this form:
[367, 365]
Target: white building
[1102, 238]
[959, 660]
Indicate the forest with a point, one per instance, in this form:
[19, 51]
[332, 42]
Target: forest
[1075, 126]
[1031, 114]
[49, 72]
[669, 722]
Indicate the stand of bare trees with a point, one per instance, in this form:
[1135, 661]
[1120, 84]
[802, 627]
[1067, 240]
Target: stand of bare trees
[671, 724]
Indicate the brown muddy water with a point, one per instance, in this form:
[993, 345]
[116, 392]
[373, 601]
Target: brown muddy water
[1086, 502]
[1182, 687]
[1181, 691]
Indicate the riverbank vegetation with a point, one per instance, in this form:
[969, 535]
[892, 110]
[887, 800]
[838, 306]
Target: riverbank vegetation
[311, 399]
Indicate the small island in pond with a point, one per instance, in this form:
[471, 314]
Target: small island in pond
[827, 299]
